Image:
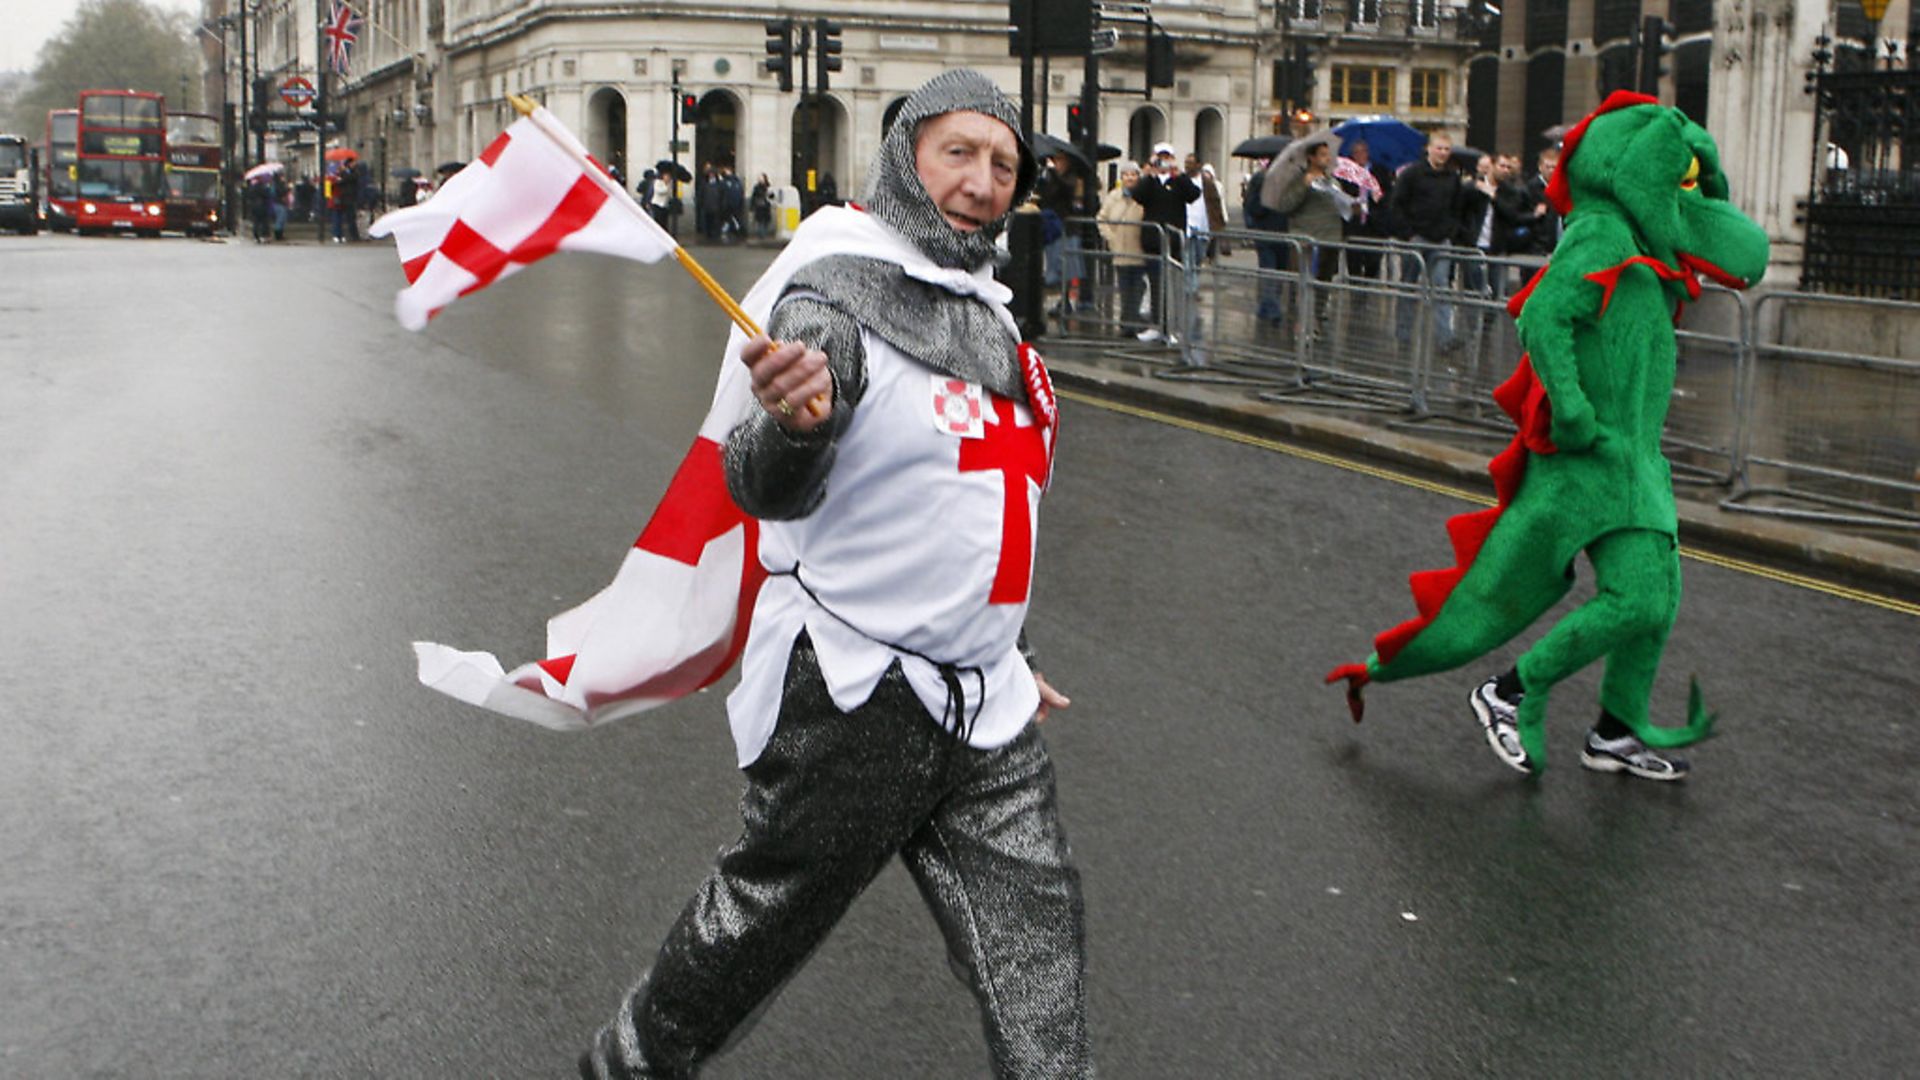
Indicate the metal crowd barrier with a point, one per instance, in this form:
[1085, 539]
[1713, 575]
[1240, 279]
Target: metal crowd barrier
[1830, 436]
[1419, 334]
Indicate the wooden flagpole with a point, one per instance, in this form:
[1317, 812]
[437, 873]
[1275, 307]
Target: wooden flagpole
[529, 108]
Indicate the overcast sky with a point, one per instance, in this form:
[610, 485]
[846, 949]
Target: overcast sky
[29, 23]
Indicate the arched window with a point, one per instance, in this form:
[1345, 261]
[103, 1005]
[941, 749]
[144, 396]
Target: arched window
[1147, 126]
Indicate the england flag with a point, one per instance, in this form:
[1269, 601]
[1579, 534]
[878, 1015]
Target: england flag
[674, 619]
[525, 197]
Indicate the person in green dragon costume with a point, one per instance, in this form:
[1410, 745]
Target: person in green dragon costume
[1646, 215]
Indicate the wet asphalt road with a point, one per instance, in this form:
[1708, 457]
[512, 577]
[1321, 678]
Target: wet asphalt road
[240, 840]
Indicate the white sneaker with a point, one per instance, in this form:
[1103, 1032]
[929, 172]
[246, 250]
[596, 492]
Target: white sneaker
[1499, 721]
[1151, 333]
[1628, 754]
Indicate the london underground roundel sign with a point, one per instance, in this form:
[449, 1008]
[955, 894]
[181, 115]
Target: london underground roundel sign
[297, 92]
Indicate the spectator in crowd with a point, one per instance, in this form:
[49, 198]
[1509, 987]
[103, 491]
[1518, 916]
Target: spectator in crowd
[706, 203]
[1370, 220]
[732, 202]
[303, 195]
[1163, 194]
[1120, 230]
[1477, 222]
[1206, 213]
[258, 192]
[1058, 192]
[277, 205]
[343, 197]
[1425, 204]
[1546, 233]
[643, 191]
[368, 197]
[1515, 212]
[662, 201]
[1301, 185]
[1274, 255]
[761, 203]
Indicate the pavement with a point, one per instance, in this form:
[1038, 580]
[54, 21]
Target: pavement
[1827, 555]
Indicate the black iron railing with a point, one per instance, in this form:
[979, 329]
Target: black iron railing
[1863, 216]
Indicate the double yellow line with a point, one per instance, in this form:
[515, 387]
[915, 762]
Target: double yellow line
[1728, 562]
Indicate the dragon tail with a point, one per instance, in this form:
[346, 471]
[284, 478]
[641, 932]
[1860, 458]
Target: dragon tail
[1471, 608]
[1699, 724]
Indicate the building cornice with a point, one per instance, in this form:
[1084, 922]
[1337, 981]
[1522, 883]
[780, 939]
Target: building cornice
[481, 34]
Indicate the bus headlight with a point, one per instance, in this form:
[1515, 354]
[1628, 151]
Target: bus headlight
[90, 208]
[154, 210]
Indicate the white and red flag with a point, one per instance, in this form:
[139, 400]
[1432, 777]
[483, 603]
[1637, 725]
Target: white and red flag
[534, 191]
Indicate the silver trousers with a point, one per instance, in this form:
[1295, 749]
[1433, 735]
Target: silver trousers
[830, 800]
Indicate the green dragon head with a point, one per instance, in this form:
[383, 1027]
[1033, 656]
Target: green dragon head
[1659, 171]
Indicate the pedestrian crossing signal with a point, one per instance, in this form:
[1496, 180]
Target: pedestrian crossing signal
[689, 109]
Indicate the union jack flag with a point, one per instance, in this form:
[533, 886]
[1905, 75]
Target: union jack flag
[341, 31]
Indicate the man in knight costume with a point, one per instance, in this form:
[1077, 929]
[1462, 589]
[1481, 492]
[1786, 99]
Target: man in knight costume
[895, 458]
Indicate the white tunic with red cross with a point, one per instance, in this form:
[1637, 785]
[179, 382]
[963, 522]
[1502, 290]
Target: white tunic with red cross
[924, 540]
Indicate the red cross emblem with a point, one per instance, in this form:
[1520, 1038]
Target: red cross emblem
[1020, 456]
[956, 407]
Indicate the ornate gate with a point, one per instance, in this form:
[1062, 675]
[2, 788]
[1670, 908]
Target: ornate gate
[1863, 213]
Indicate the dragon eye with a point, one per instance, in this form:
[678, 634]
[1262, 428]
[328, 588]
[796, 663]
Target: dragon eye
[1692, 179]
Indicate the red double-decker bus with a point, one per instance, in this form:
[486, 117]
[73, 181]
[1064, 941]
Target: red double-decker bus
[193, 172]
[122, 162]
[61, 160]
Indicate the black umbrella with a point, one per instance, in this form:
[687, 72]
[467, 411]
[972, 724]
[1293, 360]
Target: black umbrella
[446, 167]
[669, 167]
[403, 173]
[1108, 151]
[1466, 158]
[1045, 146]
[1262, 146]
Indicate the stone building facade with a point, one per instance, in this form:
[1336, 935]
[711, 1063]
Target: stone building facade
[430, 78]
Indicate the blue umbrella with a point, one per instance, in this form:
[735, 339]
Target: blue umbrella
[1391, 141]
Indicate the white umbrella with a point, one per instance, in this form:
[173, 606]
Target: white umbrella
[263, 170]
[1291, 163]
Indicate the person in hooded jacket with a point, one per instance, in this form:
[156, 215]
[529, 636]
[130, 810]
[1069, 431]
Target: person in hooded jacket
[894, 455]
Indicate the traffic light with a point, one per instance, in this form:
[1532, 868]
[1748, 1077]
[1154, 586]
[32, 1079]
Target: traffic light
[1159, 56]
[1656, 43]
[780, 52]
[689, 108]
[826, 51]
[1076, 124]
[257, 118]
[1303, 75]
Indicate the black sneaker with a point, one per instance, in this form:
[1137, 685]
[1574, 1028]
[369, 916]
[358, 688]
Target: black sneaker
[1629, 755]
[1499, 719]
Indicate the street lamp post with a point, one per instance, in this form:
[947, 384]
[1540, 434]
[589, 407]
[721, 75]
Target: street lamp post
[228, 136]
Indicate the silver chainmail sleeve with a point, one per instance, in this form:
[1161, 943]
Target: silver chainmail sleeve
[772, 473]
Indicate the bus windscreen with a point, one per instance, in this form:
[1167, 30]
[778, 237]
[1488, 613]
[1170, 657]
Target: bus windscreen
[102, 179]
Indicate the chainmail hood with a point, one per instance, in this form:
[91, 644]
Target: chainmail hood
[895, 194]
